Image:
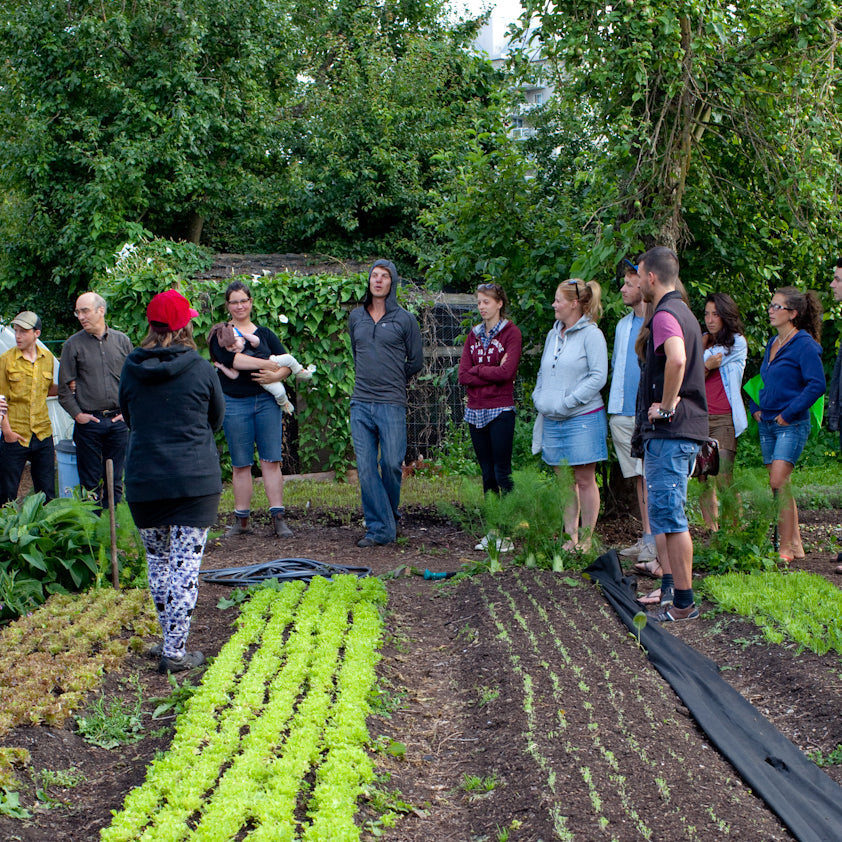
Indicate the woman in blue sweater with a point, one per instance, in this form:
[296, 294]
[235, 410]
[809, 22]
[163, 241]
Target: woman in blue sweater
[793, 379]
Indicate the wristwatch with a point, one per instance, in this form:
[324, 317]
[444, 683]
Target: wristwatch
[666, 414]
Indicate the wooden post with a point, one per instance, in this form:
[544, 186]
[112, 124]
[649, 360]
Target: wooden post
[109, 481]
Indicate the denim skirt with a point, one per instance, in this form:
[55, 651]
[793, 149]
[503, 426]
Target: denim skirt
[575, 441]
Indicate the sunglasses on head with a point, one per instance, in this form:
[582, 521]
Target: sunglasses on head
[575, 285]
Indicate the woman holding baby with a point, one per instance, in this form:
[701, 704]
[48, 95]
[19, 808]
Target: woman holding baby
[252, 416]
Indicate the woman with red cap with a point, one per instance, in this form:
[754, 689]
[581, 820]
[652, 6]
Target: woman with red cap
[172, 402]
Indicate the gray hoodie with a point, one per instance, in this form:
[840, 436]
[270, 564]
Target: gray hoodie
[386, 354]
[573, 370]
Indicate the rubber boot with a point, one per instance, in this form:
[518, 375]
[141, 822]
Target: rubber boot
[241, 527]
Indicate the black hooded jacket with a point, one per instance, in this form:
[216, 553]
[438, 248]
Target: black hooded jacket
[387, 353]
[172, 402]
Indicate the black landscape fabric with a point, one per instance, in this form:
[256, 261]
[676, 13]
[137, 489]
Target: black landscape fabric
[806, 800]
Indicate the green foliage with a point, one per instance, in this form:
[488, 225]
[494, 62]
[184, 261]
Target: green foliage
[477, 785]
[392, 97]
[747, 511]
[317, 308]
[677, 124]
[832, 758]
[456, 456]
[177, 700]
[59, 546]
[531, 514]
[140, 270]
[10, 805]
[116, 723]
[493, 222]
[798, 606]
[130, 118]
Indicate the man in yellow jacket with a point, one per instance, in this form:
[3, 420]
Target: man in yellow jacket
[26, 378]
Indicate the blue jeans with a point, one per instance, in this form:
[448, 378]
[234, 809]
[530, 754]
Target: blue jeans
[379, 427]
[667, 466]
[257, 419]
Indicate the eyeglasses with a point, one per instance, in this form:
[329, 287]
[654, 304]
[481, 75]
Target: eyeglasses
[83, 311]
[238, 302]
[575, 285]
[776, 307]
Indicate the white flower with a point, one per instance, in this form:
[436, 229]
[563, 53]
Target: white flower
[124, 252]
[169, 250]
[283, 319]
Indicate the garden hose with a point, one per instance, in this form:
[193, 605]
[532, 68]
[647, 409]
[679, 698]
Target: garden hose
[282, 569]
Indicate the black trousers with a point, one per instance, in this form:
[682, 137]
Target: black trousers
[493, 446]
[95, 444]
[41, 456]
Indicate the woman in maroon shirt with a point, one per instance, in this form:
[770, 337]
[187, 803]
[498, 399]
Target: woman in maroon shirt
[487, 370]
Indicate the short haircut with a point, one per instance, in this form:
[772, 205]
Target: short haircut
[839, 262]
[662, 262]
[99, 301]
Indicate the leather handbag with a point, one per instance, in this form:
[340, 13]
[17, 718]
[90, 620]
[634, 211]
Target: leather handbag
[707, 460]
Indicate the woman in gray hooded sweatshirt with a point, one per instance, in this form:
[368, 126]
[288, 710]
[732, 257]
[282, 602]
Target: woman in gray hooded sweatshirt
[571, 425]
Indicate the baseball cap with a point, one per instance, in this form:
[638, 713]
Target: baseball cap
[170, 308]
[27, 320]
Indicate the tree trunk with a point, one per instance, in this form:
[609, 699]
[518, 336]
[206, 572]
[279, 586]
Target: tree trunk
[194, 227]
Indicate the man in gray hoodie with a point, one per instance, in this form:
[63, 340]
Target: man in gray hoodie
[386, 344]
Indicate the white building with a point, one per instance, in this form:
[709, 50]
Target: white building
[494, 41]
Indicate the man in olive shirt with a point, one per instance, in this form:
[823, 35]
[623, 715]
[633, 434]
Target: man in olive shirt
[91, 362]
[26, 378]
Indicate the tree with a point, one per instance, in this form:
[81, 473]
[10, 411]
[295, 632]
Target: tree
[360, 145]
[120, 119]
[712, 129]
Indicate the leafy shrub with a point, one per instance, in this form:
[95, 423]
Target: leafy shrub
[748, 513]
[57, 547]
[308, 312]
[532, 513]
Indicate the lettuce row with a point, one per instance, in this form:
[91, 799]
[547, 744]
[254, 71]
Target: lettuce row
[285, 701]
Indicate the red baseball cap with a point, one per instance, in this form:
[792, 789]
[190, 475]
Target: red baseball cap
[170, 308]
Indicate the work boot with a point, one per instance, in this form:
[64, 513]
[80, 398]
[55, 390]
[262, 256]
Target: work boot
[281, 528]
[155, 651]
[187, 661]
[241, 527]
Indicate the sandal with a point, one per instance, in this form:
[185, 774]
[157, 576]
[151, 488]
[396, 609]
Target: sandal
[785, 558]
[652, 569]
[838, 569]
[653, 597]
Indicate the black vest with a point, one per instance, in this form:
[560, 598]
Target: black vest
[691, 414]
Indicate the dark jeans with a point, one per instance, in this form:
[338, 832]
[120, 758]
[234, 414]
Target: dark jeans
[493, 446]
[41, 456]
[95, 444]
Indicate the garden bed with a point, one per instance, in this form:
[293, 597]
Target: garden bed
[510, 706]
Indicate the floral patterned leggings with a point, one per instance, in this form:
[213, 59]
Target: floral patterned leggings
[173, 557]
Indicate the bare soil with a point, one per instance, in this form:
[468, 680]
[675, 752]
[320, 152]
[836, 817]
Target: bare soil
[525, 680]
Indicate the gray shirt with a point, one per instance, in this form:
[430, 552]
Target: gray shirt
[95, 363]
